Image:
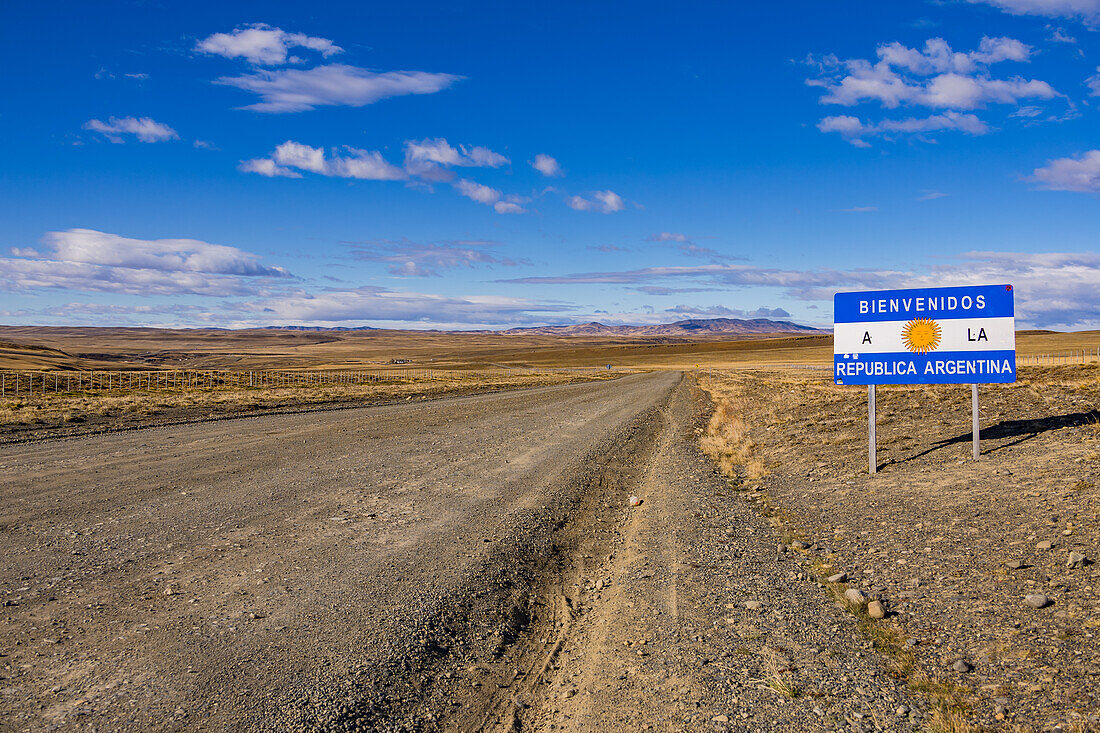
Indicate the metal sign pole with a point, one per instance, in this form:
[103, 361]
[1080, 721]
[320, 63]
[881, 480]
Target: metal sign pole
[872, 462]
[974, 421]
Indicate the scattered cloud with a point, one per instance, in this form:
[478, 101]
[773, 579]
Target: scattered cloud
[1058, 35]
[427, 158]
[346, 162]
[1054, 290]
[547, 166]
[263, 45]
[668, 237]
[297, 90]
[267, 167]
[1071, 174]
[87, 260]
[145, 129]
[688, 249]
[608, 248]
[854, 130]
[103, 73]
[413, 259]
[490, 197]
[1086, 10]
[376, 304]
[1093, 83]
[860, 209]
[721, 311]
[605, 202]
[425, 161]
[662, 290]
[934, 77]
[932, 195]
[477, 192]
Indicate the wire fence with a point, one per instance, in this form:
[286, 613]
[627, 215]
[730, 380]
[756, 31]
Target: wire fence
[29, 383]
[1075, 356]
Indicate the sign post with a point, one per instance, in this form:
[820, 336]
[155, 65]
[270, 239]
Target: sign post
[872, 444]
[974, 421]
[960, 335]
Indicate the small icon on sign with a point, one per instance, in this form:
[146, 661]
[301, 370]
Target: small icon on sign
[921, 335]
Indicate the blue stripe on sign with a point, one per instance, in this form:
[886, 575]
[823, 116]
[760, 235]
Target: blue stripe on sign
[980, 301]
[947, 367]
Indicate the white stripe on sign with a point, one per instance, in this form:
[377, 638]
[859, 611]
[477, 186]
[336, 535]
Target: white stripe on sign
[956, 334]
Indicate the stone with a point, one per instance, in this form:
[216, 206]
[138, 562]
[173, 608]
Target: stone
[1076, 560]
[635, 501]
[754, 605]
[1037, 600]
[962, 666]
[875, 609]
[1044, 545]
[838, 578]
[799, 545]
[1014, 564]
[855, 596]
[720, 719]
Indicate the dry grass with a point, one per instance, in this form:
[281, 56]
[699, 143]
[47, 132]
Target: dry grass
[726, 440]
[68, 408]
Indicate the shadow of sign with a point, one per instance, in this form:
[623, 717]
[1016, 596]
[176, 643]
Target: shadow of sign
[1021, 430]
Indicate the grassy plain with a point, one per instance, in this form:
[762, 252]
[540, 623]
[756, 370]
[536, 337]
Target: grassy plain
[144, 348]
[950, 546]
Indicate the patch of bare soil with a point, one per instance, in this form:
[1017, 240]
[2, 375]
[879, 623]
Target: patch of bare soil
[987, 570]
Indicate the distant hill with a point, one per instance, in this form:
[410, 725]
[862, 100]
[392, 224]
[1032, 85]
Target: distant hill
[679, 328]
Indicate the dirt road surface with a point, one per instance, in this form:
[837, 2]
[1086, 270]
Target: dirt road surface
[461, 564]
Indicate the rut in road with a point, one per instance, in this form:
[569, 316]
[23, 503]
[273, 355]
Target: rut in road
[658, 634]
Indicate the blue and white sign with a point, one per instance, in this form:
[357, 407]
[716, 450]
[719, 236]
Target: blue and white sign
[961, 335]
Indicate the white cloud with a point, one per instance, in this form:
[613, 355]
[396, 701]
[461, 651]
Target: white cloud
[1093, 83]
[477, 191]
[932, 195]
[290, 157]
[508, 207]
[296, 90]
[423, 157]
[1053, 289]
[1071, 174]
[170, 255]
[91, 261]
[547, 166]
[854, 130]
[412, 259]
[937, 56]
[860, 209]
[145, 129]
[668, 237]
[1087, 10]
[379, 304]
[263, 45]
[266, 167]
[605, 202]
[935, 77]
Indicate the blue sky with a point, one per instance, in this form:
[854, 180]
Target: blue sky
[422, 165]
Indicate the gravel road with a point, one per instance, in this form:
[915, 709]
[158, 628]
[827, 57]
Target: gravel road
[307, 571]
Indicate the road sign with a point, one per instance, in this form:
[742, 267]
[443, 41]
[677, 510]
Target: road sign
[964, 335]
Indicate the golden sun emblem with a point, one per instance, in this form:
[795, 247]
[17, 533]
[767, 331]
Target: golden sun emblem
[921, 335]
